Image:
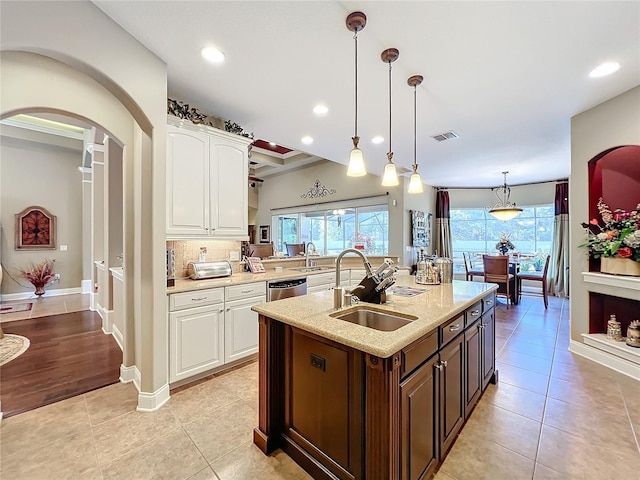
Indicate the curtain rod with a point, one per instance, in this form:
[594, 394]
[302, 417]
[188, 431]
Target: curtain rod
[500, 186]
[331, 201]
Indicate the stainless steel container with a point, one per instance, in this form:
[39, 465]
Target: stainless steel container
[203, 270]
[445, 267]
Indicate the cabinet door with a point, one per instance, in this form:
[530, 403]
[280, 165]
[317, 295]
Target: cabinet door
[451, 392]
[187, 182]
[488, 339]
[473, 360]
[419, 440]
[241, 329]
[229, 196]
[197, 341]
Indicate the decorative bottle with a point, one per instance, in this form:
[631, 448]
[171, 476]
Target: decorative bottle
[614, 331]
[633, 334]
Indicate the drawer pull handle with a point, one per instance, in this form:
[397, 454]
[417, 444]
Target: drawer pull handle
[438, 366]
[489, 302]
[475, 313]
[199, 299]
[454, 328]
[246, 291]
[482, 325]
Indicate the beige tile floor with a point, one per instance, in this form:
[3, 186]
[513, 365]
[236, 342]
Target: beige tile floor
[553, 415]
[44, 306]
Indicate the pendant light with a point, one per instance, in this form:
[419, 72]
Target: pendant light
[390, 177]
[504, 210]
[415, 184]
[356, 21]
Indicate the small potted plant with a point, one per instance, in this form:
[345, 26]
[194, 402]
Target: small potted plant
[538, 263]
[39, 275]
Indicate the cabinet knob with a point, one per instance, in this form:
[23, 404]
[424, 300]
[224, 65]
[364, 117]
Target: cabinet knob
[221, 310]
[444, 362]
[228, 309]
[438, 366]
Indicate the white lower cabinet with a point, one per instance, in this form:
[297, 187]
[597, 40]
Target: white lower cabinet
[209, 328]
[197, 341]
[241, 329]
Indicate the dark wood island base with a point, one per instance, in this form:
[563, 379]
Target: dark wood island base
[341, 413]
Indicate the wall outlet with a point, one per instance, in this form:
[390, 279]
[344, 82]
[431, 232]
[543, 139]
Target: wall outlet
[234, 255]
[56, 278]
[63, 248]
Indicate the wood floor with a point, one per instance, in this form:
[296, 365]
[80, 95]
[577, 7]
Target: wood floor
[69, 355]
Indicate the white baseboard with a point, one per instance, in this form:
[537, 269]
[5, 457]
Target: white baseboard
[85, 286]
[107, 319]
[93, 301]
[117, 335]
[149, 402]
[130, 374]
[603, 358]
[9, 297]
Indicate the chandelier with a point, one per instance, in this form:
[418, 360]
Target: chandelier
[504, 210]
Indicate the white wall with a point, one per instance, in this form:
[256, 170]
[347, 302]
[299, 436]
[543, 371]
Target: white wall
[34, 173]
[613, 123]
[281, 191]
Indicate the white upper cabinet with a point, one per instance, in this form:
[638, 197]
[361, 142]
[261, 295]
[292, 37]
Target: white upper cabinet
[206, 182]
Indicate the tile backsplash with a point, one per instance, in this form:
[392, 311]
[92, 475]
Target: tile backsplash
[189, 250]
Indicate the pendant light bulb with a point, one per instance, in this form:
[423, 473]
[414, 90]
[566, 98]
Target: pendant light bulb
[415, 184]
[356, 161]
[390, 177]
[356, 21]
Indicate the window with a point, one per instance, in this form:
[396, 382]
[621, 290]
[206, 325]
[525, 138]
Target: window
[475, 230]
[331, 231]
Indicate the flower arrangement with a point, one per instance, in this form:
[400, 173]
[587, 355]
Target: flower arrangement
[39, 275]
[620, 236]
[504, 244]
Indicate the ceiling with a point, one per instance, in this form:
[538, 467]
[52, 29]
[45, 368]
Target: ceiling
[506, 76]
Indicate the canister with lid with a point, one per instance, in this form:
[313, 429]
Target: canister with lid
[445, 267]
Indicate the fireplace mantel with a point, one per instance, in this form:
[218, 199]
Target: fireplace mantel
[614, 285]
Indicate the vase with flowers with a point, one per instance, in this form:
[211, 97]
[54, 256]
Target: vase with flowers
[617, 243]
[504, 244]
[39, 275]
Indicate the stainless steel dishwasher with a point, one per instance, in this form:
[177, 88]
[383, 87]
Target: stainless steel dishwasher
[292, 287]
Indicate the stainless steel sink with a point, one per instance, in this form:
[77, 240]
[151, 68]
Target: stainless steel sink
[312, 269]
[365, 316]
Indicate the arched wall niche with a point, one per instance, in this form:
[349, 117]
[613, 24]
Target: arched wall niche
[614, 176]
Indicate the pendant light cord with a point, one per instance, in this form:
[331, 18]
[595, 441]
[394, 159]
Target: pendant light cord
[415, 129]
[390, 108]
[355, 37]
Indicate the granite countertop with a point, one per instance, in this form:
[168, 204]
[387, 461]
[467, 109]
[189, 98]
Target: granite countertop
[288, 272]
[437, 304]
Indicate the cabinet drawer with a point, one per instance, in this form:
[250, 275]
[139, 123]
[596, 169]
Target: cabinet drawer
[488, 302]
[248, 290]
[321, 279]
[197, 298]
[473, 313]
[413, 355]
[451, 329]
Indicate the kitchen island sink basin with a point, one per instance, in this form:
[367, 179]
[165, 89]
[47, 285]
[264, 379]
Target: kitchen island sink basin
[312, 269]
[365, 316]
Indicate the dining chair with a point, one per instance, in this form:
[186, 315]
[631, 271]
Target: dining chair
[293, 249]
[261, 250]
[536, 276]
[469, 269]
[496, 270]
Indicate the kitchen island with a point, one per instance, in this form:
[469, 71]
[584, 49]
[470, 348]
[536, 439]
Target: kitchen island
[352, 402]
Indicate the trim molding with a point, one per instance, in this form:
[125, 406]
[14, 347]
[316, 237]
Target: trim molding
[93, 300]
[130, 374]
[107, 319]
[117, 335]
[603, 358]
[149, 402]
[31, 296]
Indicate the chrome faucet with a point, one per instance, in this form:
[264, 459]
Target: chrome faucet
[307, 262]
[338, 291]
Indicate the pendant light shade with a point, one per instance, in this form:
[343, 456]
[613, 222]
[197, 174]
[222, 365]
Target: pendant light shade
[415, 184]
[504, 210]
[356, 21]
[390, 177]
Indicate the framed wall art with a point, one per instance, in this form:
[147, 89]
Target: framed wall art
[420, 228]
[35, 229]
[265, 234]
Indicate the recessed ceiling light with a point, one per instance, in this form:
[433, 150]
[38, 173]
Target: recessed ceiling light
[273, 144]
[377, 139]
[320, 110]
[604, 69]
[212, 54]
[307, 140]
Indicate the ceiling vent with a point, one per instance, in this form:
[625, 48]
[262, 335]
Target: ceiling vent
[441, 137]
